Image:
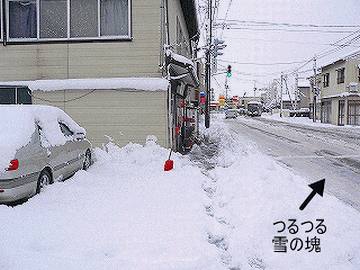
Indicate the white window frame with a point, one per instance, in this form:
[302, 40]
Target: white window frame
[2, 22]
[128, 36]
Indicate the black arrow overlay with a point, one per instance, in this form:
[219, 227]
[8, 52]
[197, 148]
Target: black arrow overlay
[317, 187]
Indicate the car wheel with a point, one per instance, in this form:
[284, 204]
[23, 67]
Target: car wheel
[44, 180]
[87, 160]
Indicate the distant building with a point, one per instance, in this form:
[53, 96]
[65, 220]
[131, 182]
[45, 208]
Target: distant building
[294, 99]
[339, 98]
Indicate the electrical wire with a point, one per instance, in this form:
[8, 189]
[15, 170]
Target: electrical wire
[290, 24]
[288, 42]
[227, 12]
[62, 101]
[292, 30]
[341, 44]
[262, 64]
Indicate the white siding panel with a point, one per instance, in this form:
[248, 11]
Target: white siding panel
[125, 116]
[101, 59]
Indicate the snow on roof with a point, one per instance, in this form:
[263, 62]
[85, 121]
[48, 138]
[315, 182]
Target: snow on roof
[138, 83]
[179, 58]
[303, 83]
[341, 95]
[18, 123]
[345, 57]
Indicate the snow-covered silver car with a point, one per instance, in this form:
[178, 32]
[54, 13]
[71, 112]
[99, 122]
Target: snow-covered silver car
[38, 145]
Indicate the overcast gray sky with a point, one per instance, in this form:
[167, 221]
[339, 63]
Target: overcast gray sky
[258, 53]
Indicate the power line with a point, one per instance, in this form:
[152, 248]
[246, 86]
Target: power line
[292, 30]
[288, 42]
[341, 44]
[227, 12]
[291, 24]
[262, 64]
[63, 101]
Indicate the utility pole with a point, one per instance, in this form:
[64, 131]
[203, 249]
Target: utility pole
[297, 99]
[208, 65]
[281, 95]
[314, 91]
[226, 92]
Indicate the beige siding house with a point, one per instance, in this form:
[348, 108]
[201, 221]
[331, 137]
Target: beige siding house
[339, 98]
[120, 68]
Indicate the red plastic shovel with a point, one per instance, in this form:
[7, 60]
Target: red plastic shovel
[169, 164]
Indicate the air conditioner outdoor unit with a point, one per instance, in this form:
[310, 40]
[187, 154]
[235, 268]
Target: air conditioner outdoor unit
[353, 87]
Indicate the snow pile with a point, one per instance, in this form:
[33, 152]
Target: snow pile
[305, 121]
[125, 212]
[249, 192]
[17, 124]
[138, 83]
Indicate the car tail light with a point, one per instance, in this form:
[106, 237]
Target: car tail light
[14, 165]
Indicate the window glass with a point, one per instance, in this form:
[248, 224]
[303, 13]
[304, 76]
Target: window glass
[326, 79]
[65, 129]
[22, 17]
[23, 96]
[340, 75]
[83, 18]
[1, 24]
[114, 18]
[53, 19]
[7, 96]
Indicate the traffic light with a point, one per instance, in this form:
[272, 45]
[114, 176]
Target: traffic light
[229, 71]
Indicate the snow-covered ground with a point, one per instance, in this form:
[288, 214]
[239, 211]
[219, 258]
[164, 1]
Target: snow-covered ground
[305, 121]
[126, 212]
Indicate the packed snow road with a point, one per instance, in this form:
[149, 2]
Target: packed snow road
[316, 152]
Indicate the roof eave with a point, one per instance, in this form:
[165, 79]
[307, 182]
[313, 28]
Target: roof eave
[189, 10]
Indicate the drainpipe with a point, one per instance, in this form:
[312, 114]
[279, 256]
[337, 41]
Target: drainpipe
[165, 47]
[167, 31]
[281, 95]
[314, 90]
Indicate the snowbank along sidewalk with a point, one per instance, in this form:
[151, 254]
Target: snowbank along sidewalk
[254, 205]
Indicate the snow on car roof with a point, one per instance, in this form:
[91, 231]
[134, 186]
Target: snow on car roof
[17, 124]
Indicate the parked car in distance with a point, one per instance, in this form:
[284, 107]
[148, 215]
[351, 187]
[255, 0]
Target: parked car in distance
[230, 113]
[38, 145]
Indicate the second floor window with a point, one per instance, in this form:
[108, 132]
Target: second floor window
[68, 19]
[340, 75]
[326, 79]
